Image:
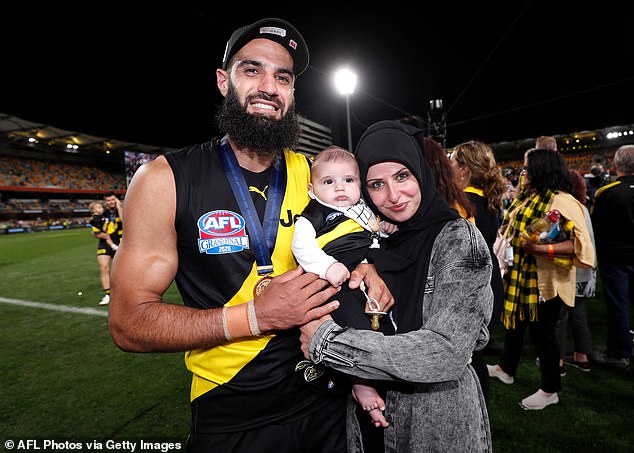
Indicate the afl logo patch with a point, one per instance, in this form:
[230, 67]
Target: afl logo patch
[221, 232]
[333, 215]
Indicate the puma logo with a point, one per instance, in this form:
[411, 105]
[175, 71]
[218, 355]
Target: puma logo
[256, 190]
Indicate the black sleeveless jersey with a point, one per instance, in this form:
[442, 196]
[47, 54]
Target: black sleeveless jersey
[250, 382]
[114, 225]
[337, 235]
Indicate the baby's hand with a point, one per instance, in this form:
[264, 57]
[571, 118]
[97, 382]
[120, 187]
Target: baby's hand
[388, 228]
[337, 273]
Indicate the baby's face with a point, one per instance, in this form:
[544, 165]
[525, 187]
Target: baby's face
[97, 209]
[337, 183]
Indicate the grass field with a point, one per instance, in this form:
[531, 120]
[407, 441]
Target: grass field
[63, 379]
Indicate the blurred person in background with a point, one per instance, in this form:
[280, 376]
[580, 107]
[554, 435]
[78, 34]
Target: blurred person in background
[114, 213]
[546, 142]
[597, 177]
[479, 176]
[511, 175]
[613, 222]
[509, 196]
[103, 229]
[576, 317]
[446, 184]
[112, 227]
[535, 289]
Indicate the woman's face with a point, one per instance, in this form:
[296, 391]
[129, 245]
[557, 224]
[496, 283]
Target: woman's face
[394, 190]
[524, 180]
[461, 173]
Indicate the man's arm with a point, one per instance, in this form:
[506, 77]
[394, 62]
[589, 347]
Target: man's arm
[145, 266]
[101, 235]
[120, 209]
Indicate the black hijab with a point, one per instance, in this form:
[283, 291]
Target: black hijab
[403, 261]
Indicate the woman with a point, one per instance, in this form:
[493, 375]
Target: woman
[438, 268]
[478, 175]
[535, 287]
[452, 189]
[446, 183]
[576, 317]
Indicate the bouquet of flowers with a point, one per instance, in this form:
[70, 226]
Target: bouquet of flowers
[552, 227]
[547, 229]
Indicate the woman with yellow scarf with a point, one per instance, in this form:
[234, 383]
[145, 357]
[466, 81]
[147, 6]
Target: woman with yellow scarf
[542, 277]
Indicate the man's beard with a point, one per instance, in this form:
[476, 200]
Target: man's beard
[257, 133]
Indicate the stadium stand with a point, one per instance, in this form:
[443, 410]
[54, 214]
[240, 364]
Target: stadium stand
[48, 176]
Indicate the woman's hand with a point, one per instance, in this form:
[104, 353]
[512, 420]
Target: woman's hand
[308, 330]
[376, 287]
[559, 249]
[530, 247]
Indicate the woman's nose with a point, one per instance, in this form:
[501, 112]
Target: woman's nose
[392, 193]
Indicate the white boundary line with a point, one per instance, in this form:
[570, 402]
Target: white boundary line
[64, 308]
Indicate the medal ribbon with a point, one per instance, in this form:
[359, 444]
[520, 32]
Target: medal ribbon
[264, 238]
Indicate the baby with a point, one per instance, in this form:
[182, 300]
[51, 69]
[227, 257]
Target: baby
[332, 236]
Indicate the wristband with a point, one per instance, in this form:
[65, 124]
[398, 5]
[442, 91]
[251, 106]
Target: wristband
[551, 250]
[253, 320]
[240, 321]
[224, 323]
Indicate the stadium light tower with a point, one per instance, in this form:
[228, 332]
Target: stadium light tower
[346, 82]
[437, 122]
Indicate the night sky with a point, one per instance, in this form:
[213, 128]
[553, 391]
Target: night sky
[504, 71]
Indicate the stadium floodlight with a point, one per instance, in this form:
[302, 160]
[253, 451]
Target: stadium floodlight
[346, 82]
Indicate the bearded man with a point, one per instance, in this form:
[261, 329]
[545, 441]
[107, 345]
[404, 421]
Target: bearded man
[218, 219]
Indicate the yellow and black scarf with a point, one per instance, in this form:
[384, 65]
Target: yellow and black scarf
[521, 294]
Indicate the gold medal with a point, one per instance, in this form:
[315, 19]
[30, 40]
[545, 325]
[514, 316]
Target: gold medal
[260, 285]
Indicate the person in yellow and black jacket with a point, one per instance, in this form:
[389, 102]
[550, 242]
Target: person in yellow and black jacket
[103, 226]
[613, 222]
[114, 213]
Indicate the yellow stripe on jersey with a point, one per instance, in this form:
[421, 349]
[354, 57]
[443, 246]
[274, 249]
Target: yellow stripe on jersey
[218, 365]
[344, 228]
[602, 189]
[475, 190]
[110, 227]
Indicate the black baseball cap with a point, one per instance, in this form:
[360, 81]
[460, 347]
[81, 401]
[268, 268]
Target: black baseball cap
[277, 30]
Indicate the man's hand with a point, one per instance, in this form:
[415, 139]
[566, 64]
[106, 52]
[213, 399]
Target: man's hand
[293, 299]
[376, 287]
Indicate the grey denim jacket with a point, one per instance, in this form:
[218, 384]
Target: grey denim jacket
[443, 410]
